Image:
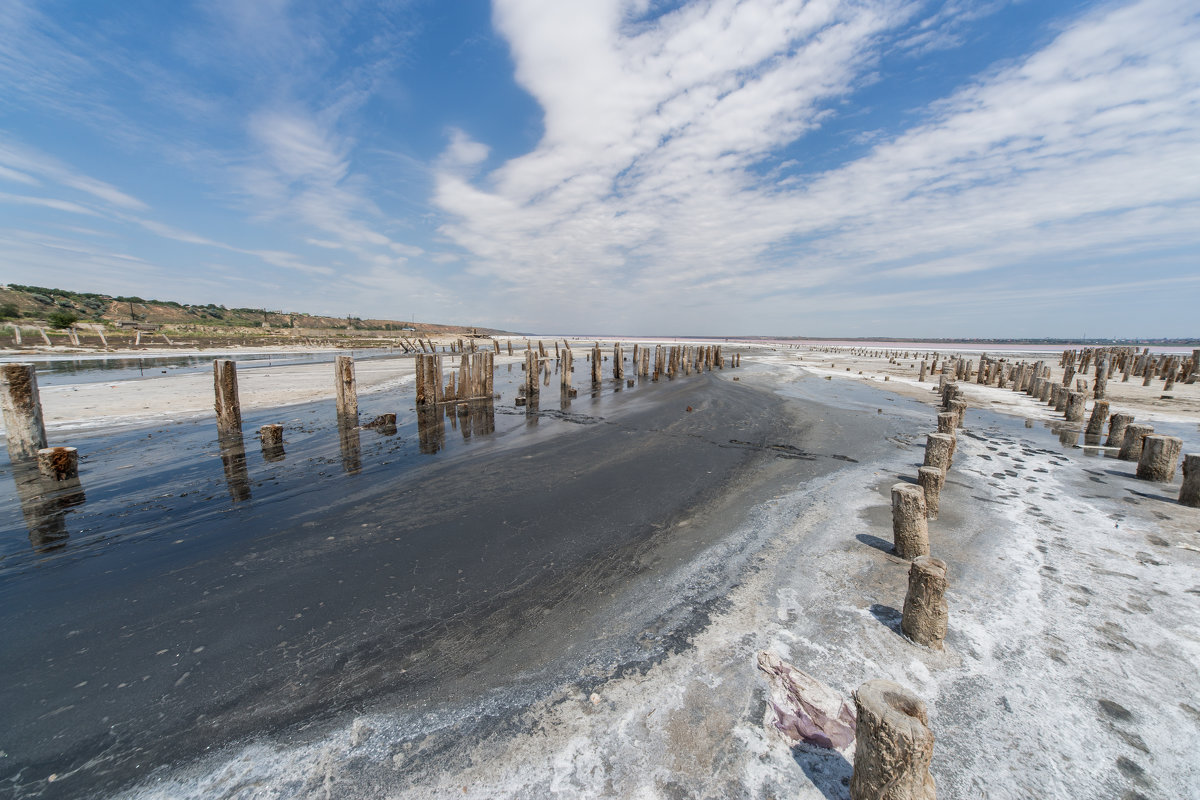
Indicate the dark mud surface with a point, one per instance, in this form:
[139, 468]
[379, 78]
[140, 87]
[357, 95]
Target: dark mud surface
[193, 594]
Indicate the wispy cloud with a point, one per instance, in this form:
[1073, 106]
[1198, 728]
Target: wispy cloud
[21, 163]
[648, 171]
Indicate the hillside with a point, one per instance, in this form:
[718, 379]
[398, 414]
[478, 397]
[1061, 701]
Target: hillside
[39, 306]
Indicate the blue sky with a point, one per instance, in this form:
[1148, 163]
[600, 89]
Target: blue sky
[777, 167]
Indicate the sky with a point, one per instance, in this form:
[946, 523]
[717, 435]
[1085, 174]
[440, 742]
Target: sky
[911, 168]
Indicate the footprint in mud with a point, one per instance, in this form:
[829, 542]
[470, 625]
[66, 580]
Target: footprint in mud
[1132, 770]
[1115, 710]
[1137, 604]
[1157, 541]
[1114, 638]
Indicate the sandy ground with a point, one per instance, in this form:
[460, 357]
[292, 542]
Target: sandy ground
[1071, 667]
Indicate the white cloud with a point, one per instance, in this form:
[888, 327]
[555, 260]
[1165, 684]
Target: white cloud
[20, 162]
[647, 172]
[47, 202]
[463, 151]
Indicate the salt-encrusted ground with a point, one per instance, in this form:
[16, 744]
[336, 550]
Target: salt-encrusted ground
[1070, 668]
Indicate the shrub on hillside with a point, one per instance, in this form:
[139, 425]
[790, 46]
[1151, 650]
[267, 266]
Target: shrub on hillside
[61, 319]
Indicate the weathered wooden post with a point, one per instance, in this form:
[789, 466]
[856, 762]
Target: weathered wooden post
[58, 463]
[1101, 386]
[271, 439]
[227, 405]
[1076, 405]
[910, 531]
[959, 409]
[938, 449]
[893, 745]
[1131, 445]
[1189, 492]
[1095, 426]
[1192, 377]
[947, 421]
[347, 392]
[25, 433]
[596, 369]
[926, 614]
[931, 480]
[618, 371]
[1117, 423]
[1159, 456]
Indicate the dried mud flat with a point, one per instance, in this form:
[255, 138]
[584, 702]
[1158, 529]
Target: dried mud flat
[1070, 669]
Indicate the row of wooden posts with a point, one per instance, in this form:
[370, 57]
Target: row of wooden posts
[893, 741]
[1107, 361]
[668, 361]
[893, 755]
[26, 433]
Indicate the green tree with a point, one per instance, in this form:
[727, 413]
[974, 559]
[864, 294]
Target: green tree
[61, 319]
[9, 311]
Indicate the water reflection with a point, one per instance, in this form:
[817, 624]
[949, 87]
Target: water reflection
[351, 446]
[44, 504]
[431, 429]
[477, 418]
[233, 462]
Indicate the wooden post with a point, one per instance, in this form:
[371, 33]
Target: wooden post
[1159, 456]
[893, 745]
[1131, 444]
[910, 532]
[347, 393]
[1095, 426]
[938, 447]
[926, 614]
[1098, 392]
[25, 432]
[931, 480]
[1076, 405]
[1189, 492]
[271, 439]
[596, 373]
[1117, 423]
[228, 407]
[58, 463]
[618, 370]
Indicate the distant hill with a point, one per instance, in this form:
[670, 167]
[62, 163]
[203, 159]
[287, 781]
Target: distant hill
[40, 305]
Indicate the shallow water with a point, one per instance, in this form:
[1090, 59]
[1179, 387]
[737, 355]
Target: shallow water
[65, 370]
[194, 591]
